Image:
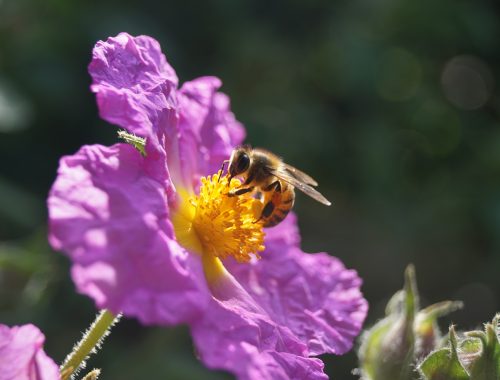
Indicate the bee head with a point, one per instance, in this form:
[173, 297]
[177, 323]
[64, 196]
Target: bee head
[239, 161]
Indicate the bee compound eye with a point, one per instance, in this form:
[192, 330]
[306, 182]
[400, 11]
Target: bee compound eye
[243, 163]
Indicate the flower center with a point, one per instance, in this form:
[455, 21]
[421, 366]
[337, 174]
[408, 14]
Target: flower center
[218, 225]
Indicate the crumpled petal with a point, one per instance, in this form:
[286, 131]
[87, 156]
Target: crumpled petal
[134, 84]
[312, 294]
[208, 128]
[111, 219]
[237, 335]
[136, 89]
[22, 356]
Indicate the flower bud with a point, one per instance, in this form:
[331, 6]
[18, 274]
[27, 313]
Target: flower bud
[391, 348]
[387, 349]
[473, 356]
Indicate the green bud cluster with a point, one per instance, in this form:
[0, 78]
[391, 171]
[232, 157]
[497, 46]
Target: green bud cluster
[393, 348]
[473, 355]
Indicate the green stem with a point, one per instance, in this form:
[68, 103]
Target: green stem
[92, 338]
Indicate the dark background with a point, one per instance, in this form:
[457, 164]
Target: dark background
[392, 105]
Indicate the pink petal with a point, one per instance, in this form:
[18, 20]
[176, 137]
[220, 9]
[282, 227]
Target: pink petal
[312, 294]
[237, 335]
[135, 87]
[208, 128]
[22, 356]
[112, 220]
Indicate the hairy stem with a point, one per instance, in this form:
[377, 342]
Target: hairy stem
[90, 341]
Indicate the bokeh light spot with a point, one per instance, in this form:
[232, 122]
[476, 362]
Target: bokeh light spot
[467, 82]
[15, 111]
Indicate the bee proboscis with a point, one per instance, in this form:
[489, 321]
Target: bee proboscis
[273, 181]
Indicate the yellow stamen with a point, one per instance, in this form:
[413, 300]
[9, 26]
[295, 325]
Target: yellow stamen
[217, 225]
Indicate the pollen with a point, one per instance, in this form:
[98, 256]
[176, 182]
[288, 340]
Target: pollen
[215, 224]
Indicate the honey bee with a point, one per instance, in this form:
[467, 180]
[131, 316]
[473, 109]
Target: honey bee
[271, 180]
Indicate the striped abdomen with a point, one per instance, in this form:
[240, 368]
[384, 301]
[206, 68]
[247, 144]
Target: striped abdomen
[278, 204]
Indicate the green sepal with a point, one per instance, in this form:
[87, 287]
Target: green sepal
[486, 365]
[444, 364]
[426, 328]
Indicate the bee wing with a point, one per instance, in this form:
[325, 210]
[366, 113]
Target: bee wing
[300, 175]
[283, 174]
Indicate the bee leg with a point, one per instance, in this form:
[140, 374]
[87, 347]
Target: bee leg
[239, 191]
[266, 211]
[276, 186]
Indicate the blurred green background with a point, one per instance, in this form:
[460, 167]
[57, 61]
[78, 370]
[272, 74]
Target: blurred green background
[392, 105]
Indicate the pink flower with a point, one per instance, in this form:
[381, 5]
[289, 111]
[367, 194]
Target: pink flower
[149, 239]
[22, 356]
